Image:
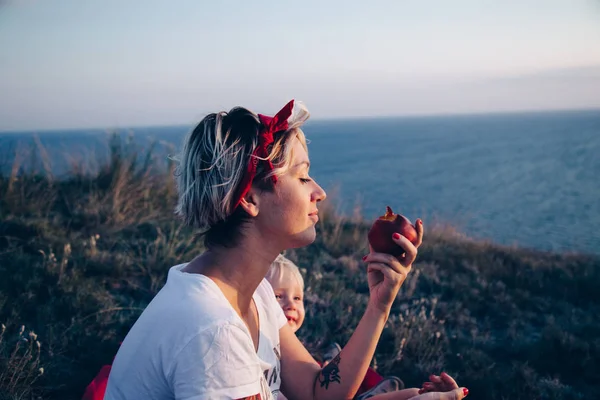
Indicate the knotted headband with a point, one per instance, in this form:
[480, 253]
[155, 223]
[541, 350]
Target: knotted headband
[269, 126]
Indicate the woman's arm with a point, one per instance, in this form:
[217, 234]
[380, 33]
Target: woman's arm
[340, 379]
[303, 378]
[298, 368]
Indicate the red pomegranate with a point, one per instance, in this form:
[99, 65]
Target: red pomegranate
[380, 235]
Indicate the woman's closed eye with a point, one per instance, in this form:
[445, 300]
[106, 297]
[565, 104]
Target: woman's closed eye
[305, 180]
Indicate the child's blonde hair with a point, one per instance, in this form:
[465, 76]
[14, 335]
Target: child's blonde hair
[282, 271]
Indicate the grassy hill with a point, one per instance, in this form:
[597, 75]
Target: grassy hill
[81, 256]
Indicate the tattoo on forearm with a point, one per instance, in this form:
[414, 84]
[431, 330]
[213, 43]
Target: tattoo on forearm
[331, 373]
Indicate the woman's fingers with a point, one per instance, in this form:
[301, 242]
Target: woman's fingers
[387, 272]
[389, 260]
[403, 394]
[456, 394]
[420, 230]
[410, 250]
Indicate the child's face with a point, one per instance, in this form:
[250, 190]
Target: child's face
[291, 299]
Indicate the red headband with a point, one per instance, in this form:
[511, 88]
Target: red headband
[269, 126]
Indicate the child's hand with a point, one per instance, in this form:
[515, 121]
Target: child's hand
[442, 383]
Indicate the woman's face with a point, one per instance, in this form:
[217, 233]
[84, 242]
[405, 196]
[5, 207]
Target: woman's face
[288, 214]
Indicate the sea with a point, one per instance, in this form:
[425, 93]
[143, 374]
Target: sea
[519, 179]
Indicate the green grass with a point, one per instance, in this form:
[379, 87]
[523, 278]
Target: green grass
[80, 257]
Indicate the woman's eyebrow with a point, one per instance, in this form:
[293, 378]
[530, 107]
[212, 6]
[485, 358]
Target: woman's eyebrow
[303, 163]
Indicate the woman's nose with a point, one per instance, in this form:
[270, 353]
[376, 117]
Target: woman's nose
[319, 194]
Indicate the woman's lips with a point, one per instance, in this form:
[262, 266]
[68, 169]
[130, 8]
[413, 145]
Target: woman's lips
[290, 318]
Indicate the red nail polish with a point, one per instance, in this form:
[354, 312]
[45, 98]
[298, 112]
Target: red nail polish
[364, 258]
[396, 236]
[465, 391]
[420, 222]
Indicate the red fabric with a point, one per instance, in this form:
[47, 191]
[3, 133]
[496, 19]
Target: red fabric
[371, 379]
[96, 388]
[270, 126]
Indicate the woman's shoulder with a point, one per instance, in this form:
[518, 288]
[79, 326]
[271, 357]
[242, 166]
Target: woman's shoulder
[191, 302]
[191, 286]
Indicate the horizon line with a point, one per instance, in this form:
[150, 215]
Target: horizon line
[322, 119]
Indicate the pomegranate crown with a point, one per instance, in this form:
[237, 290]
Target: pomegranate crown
[389, 214]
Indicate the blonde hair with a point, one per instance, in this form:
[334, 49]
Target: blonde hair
[282, 271]
[214, 160]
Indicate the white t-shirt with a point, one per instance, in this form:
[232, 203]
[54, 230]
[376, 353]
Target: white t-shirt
[190, 344]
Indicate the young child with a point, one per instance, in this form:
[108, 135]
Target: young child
[288, 286]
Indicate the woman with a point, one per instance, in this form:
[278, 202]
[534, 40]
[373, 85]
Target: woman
[215, 330]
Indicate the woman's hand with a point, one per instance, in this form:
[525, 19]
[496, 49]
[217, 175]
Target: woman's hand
[387, 273]
[441, 383]
[456, 394]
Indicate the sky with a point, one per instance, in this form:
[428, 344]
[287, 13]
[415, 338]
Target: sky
[122, 63]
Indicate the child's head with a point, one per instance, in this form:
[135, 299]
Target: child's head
[288, 285]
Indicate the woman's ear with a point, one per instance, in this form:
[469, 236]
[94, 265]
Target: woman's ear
[250, 203]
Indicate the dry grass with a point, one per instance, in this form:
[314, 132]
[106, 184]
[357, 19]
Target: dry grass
[19, 363]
